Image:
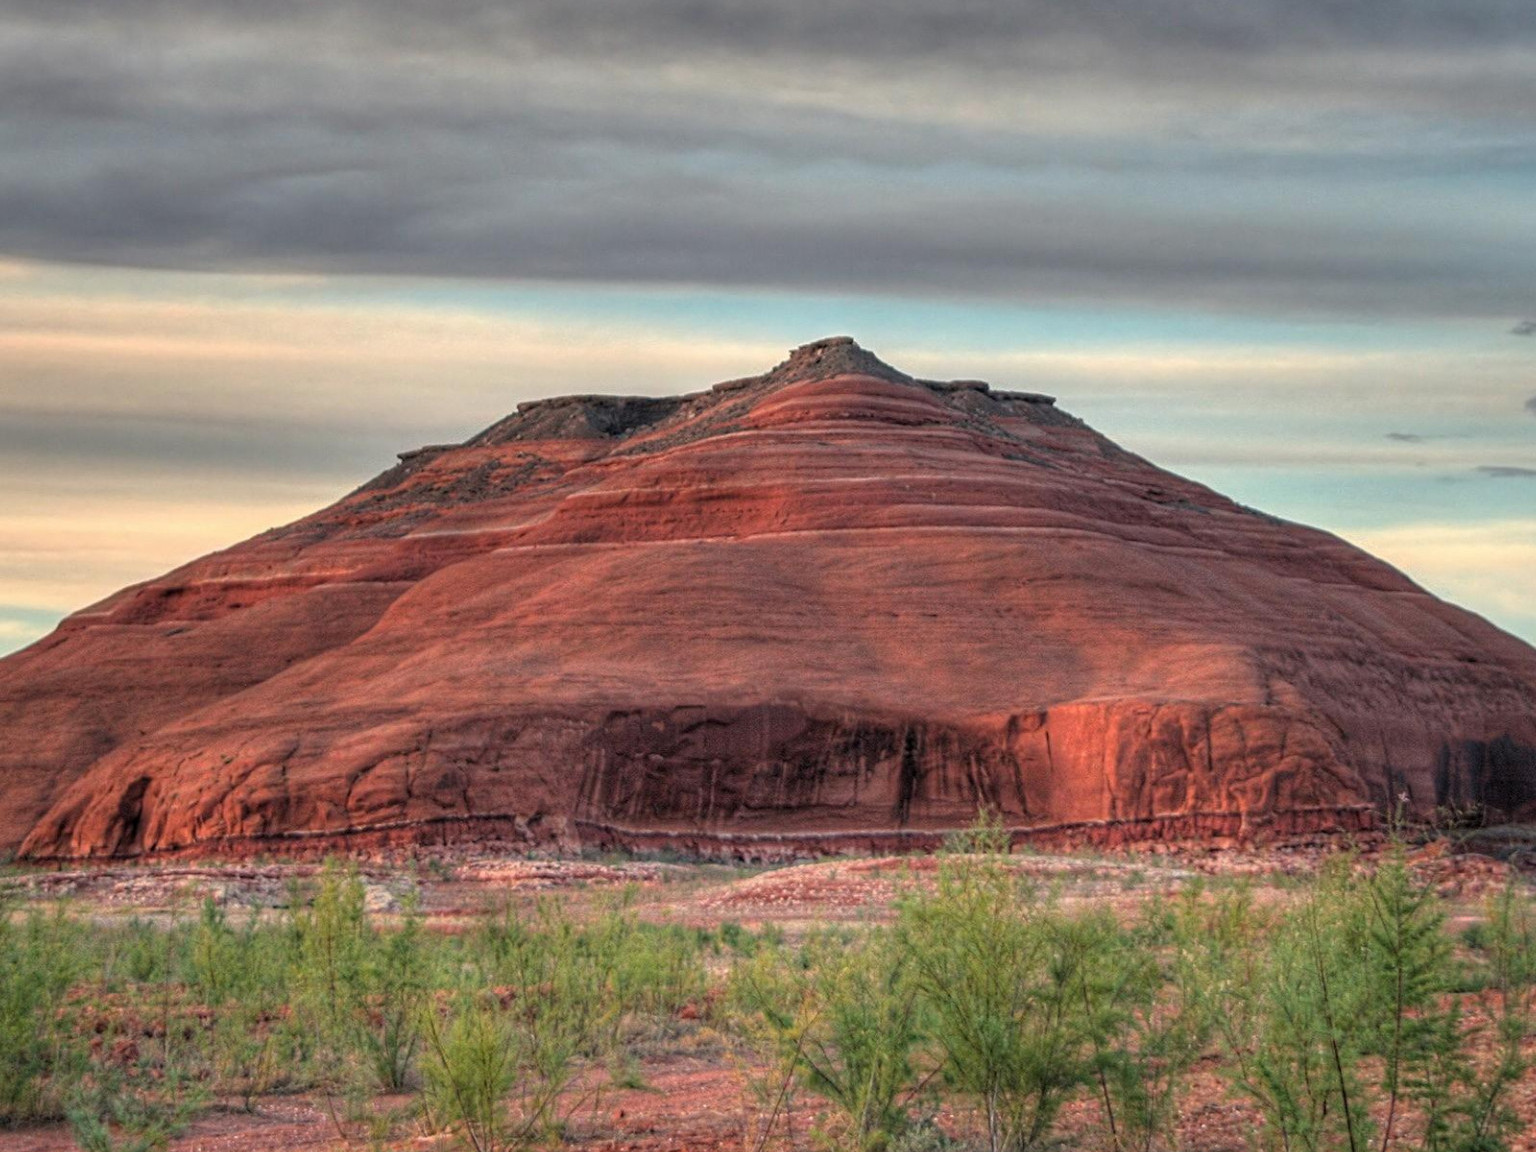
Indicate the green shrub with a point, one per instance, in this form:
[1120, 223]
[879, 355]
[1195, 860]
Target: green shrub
[332, 939]
[216, 957]
[395, 988]
[988, 835]
[843, 1017]
[257, 1045]
[1144, 1017]
[1483, 1120]
[542, 998]
[1339, 1024]
[658, 969]
[1298, 1042]
[1411, 1026]
[135, 954]
[1003, 986]
[40, 1052]
[117, 1109]
[358, 992]
[142, 1082]
[470, 1071]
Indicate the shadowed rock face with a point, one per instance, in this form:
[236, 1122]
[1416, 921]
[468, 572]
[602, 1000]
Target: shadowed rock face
[830, 605]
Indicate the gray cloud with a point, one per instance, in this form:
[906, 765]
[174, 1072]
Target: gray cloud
[1406, 437]
[1507, 472]
[1524, 328]
[1306, 155]
[1530, 405]
[897, 29]
[247, 446]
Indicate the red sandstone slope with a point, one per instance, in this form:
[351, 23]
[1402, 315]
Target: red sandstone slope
[832, 599]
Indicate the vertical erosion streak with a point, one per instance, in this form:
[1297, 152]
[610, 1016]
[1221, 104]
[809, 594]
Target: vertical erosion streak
[906, 782]
[129, 818]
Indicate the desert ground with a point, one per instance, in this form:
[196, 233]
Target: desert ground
[692, 1082]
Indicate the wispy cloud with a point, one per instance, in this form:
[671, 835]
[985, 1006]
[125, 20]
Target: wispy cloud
[185, 375]
[1507, 472]
[137, 368]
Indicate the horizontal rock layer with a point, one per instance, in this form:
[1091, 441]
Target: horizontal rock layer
[832, 605]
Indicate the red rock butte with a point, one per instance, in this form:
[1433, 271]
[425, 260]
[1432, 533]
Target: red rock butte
[828, 607]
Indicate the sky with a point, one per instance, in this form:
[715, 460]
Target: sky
[250, 249]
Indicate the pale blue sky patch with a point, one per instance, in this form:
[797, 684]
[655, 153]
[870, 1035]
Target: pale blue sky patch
[21, 626]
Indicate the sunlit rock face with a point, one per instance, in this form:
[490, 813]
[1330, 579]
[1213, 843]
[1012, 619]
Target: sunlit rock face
[832, 606]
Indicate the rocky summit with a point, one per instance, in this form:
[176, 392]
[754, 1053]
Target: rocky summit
[828, 607]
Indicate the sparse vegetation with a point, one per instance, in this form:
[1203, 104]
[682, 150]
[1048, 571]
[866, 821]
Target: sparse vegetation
[1341, 1012]
[40, 961]
[843, 1017]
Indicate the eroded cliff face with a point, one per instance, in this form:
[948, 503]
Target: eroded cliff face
[831, 605]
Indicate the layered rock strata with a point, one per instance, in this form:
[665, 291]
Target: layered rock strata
[829, 606]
